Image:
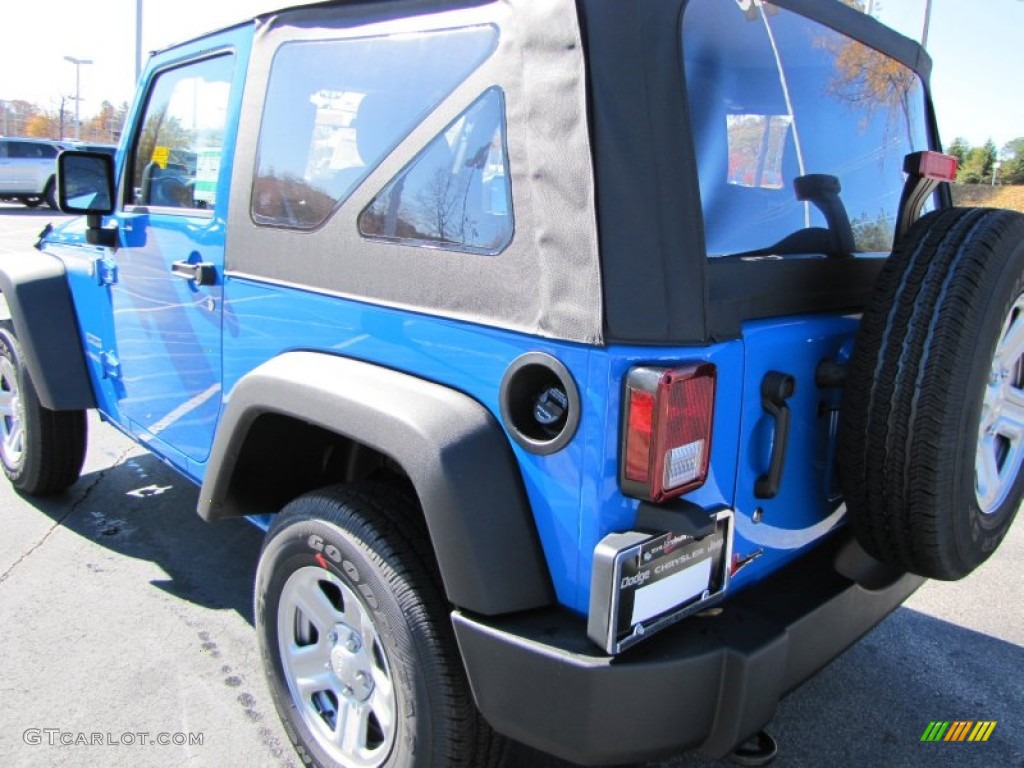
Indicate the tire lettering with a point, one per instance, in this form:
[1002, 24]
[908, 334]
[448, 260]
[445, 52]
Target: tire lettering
[370, 599]
[317, 543]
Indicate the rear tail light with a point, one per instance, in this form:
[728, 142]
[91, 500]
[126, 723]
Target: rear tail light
[931, 165]
[666, 440]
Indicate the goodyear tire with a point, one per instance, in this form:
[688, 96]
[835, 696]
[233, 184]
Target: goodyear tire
[41, 451]
[356, 641]
[932, 431]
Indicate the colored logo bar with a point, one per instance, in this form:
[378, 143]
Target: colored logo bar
[958, 730]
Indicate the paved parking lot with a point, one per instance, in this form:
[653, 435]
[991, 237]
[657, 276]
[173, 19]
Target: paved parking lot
[121, 613]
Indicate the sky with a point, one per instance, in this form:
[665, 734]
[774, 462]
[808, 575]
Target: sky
[977, 81]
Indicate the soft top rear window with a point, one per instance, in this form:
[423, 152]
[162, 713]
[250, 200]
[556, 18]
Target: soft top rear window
[790, 119]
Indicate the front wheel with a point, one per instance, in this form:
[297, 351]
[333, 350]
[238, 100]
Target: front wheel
[356, 641]
[30, 202]
[41, 451]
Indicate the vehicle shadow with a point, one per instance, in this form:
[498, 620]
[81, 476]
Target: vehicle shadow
[142, 509]
[869, 707]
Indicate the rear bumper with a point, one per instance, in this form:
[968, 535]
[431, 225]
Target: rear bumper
[707, 683]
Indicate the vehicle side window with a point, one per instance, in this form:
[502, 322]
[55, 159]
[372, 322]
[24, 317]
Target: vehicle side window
[455, 194]
[775, 97]
[335, 109]
[176, 154]
[3, 148]
[27, 150]
[46, 150]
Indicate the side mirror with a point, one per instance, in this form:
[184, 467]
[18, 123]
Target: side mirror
[85, 183]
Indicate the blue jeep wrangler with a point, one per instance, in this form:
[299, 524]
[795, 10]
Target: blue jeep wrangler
[573, 354]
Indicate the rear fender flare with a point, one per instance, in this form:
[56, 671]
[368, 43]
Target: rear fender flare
[453, 450]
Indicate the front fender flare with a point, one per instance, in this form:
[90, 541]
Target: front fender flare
[36, 291]
[453, 450]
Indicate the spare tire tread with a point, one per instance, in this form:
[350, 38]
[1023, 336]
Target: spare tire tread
[907, 379]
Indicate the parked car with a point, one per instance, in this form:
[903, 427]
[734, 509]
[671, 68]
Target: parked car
[27, 171]
[598, 370]
[109, 149]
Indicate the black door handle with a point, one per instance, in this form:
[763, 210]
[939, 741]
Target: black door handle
[776, 389]
[202, 272]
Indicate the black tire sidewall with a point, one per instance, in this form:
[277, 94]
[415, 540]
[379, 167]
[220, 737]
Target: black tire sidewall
[977, 535]
[50, 195]
[295, 544]
[19, 474]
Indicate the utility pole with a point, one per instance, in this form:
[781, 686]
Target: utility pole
[928, 23]
[60, 134]
[78, 95]
[138, 40]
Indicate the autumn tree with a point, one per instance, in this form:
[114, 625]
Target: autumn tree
[43, 125]
[977, 166]
[105, 126]
[1012, 171]
[15, 116]
[959, 149]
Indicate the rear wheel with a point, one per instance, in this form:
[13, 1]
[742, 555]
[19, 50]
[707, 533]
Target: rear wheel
[41, 451]
[50, 194]
[356, 639]
[932, 442]
[31, 202]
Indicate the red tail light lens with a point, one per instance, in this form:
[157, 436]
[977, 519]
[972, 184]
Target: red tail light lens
[931, 165]
[667, 430]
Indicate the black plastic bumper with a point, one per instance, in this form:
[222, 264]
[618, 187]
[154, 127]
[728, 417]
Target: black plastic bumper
[708, 683]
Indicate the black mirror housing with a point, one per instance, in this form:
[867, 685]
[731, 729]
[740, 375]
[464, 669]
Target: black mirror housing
[85, 183]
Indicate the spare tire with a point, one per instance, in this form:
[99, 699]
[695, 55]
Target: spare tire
[932, 423]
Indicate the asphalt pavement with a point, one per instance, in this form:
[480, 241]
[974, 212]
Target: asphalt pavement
[125, 619]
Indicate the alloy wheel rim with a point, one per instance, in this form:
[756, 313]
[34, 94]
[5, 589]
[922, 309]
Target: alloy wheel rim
[12, 415]
[336, 668]
[1000, 452]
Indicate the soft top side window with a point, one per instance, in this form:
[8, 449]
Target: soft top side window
[335, 109]
[780, 103]
[455, 194]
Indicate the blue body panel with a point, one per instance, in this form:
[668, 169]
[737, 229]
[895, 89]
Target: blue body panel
[808, 504]
[153, 340]
[181, 349]
[574, 493]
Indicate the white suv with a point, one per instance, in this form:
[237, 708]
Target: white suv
[27, 171]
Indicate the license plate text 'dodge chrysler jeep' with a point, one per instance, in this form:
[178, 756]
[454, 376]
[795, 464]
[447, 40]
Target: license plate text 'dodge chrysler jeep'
[565, 350]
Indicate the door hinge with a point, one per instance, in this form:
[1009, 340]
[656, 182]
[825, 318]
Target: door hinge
[111, 365]
[106, 271]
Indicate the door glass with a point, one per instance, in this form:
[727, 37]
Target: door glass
[176, 157]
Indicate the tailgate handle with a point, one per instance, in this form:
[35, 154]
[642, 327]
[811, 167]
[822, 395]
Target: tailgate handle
[202, 272]
[776, 389]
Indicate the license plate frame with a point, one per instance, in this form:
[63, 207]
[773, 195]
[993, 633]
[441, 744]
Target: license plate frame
[643, 581]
